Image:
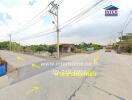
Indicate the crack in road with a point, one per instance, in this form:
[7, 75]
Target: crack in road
[103, 90]
[109, 93]
[76, 90]
[83, 81]
[100, 89]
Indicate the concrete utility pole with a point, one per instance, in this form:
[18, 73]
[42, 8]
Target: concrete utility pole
[54, 11]
[119, 48]
[121, 35]
[10, 44]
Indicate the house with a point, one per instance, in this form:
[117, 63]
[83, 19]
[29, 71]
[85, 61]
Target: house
[111, 11]
[125, 43]
[66, 48]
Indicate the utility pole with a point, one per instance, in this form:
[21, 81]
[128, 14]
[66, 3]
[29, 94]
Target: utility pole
[10, 44]
[119, 48]
[121, 36]
[54, 11]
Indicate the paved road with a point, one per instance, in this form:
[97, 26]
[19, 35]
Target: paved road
[18, 60]
[113, 81]
[23, 64]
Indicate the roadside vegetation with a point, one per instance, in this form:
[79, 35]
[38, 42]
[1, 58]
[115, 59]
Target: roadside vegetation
[78, 48]
[84, 46]
[125, 44]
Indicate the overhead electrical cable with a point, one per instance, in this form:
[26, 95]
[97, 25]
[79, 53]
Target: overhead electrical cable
[70, 21]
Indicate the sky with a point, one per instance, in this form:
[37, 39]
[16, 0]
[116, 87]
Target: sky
[18, 17]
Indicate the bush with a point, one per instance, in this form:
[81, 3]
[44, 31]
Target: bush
[129, 49]
[52, 49]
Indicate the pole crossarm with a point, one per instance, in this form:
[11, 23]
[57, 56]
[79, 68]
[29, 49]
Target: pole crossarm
[54, 11]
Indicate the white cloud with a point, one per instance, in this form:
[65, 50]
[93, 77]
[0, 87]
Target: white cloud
[21, 13]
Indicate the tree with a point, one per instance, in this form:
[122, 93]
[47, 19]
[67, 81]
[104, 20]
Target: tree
[129, 49]
[84, 46]
[39, 49]
[4, 45]
[52, 49]
[16, 46]
[73, 49]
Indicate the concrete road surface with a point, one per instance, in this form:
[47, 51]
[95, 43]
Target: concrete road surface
[113, 81]
[18, 60]
[22, 63]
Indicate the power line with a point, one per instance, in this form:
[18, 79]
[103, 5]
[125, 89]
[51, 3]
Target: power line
[127, 21]
[80, 15]
[27, 26]
[36, 36]
[39, 33]
[31, 22]
[69, 22]
[54, 11]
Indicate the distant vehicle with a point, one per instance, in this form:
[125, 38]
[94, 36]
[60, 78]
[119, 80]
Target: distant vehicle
[108, 48]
